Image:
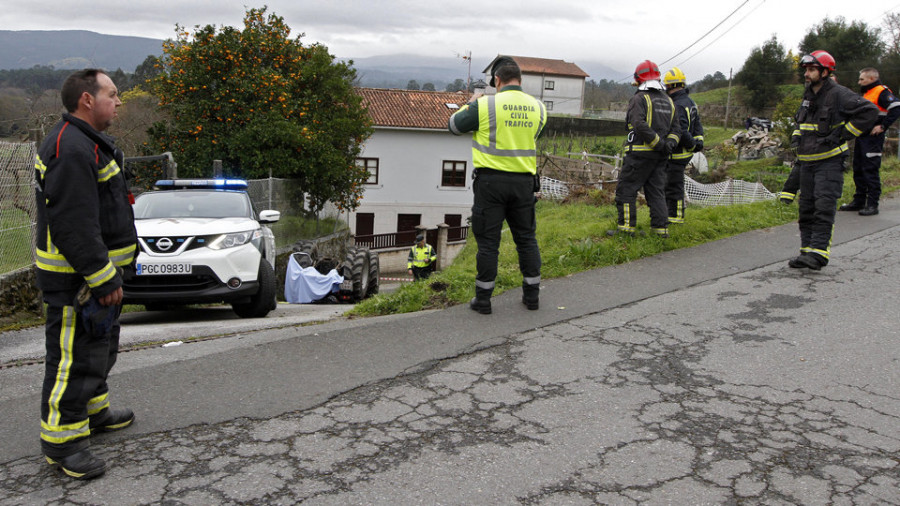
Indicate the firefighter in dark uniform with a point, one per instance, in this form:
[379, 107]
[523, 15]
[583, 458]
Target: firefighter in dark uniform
[791, 185]
[505, 128]
[870, 145]
[691, 141]
[829, 116]
[421, 260]
[653, 134]
[85, 238]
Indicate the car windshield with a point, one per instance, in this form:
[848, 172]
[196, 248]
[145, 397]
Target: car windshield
[192, 204]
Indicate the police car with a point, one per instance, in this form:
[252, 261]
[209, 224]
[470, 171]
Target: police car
[201, 241]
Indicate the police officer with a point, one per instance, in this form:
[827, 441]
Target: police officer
[829, 116]
[85, 237]
[691, 141]
[870, 145]
[420, 262]
[505, 128]
[653, 134]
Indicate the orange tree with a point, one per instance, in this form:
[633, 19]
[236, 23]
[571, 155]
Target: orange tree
[263, 103]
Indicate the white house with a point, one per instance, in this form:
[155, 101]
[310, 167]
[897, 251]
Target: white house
[559, 84]
[421, 174]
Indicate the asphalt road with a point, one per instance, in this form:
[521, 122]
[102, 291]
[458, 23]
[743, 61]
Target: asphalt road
[702, 376]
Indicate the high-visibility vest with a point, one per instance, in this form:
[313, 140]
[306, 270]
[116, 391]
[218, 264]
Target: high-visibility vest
[420, 257]
[508, 126]
[873, 94]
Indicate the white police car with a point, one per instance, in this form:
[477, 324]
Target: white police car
[201, 241]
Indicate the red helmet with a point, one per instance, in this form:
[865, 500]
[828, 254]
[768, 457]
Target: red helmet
[818, 59]
[646, 71]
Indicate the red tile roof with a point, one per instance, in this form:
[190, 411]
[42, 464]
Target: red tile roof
[543, 66]
[411, 109]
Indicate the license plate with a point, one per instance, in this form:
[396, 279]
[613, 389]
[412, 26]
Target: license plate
[158, 269]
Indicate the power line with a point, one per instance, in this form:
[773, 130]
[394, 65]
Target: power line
[724, 34]
[739, 7]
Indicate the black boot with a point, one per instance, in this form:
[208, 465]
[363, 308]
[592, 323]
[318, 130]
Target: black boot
[482, 300]
[853, 205]
[483, 306]
[531, 296]
[869, 211]
[806, 261]
[81, 466]
[110, 420]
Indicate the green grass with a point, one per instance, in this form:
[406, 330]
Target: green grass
[15, 240]
[572, 238]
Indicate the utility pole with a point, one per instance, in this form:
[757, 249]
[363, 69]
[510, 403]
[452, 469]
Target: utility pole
[728, 100]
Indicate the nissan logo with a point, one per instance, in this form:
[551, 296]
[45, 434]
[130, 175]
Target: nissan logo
[164, 244]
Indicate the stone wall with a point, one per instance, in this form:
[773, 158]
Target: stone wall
[19, 293]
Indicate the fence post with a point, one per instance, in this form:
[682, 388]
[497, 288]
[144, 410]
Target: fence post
[217, 168]
[441, 247]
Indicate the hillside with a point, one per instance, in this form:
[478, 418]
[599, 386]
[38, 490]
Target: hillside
[74, 49]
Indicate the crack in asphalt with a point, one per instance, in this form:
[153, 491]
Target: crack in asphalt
[642, 403]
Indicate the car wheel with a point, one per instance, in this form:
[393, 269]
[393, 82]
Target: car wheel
[374, 272]
[264, 300]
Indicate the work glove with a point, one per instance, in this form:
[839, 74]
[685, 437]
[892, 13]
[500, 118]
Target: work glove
[98, 320]
[698, 146]
[670, 146]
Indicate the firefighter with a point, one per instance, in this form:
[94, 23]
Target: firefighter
[829, 116]
[869, 146]
[85, 238]
[505, 128]
[791, 185]
[691, 141]
[653, 134]
[421, 260]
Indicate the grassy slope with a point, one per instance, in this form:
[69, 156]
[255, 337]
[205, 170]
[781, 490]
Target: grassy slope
[572, 239]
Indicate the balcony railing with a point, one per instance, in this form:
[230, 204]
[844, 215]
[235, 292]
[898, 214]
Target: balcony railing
[408, 238]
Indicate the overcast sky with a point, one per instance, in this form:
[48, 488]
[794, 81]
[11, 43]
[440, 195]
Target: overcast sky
[616, 33]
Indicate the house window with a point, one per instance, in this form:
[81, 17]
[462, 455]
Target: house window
[548, 104]
[453, 173]
[371, 165]
[549, 85]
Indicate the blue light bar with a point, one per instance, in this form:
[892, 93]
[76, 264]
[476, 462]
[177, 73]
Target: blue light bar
[220, 184]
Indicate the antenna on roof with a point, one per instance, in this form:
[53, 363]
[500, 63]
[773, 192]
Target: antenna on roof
[467, 58]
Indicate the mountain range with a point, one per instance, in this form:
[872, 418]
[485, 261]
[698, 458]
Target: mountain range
[74, 49]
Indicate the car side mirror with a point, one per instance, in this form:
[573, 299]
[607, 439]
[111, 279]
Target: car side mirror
[269, 216]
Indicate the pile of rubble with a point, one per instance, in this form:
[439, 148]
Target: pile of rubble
[755, 142]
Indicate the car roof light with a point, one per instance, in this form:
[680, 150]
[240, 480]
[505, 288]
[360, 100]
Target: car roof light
[220, 184]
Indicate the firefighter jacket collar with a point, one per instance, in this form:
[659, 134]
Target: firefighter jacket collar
[653, 84]
[106, 142]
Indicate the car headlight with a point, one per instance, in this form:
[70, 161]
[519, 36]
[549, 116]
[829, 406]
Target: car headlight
[236, 239]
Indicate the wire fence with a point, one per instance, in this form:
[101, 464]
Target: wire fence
[17, 205]
[729, 192]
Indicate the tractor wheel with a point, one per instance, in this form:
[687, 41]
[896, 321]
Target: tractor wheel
[356, 269]
[311, 248]
[374, 273]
